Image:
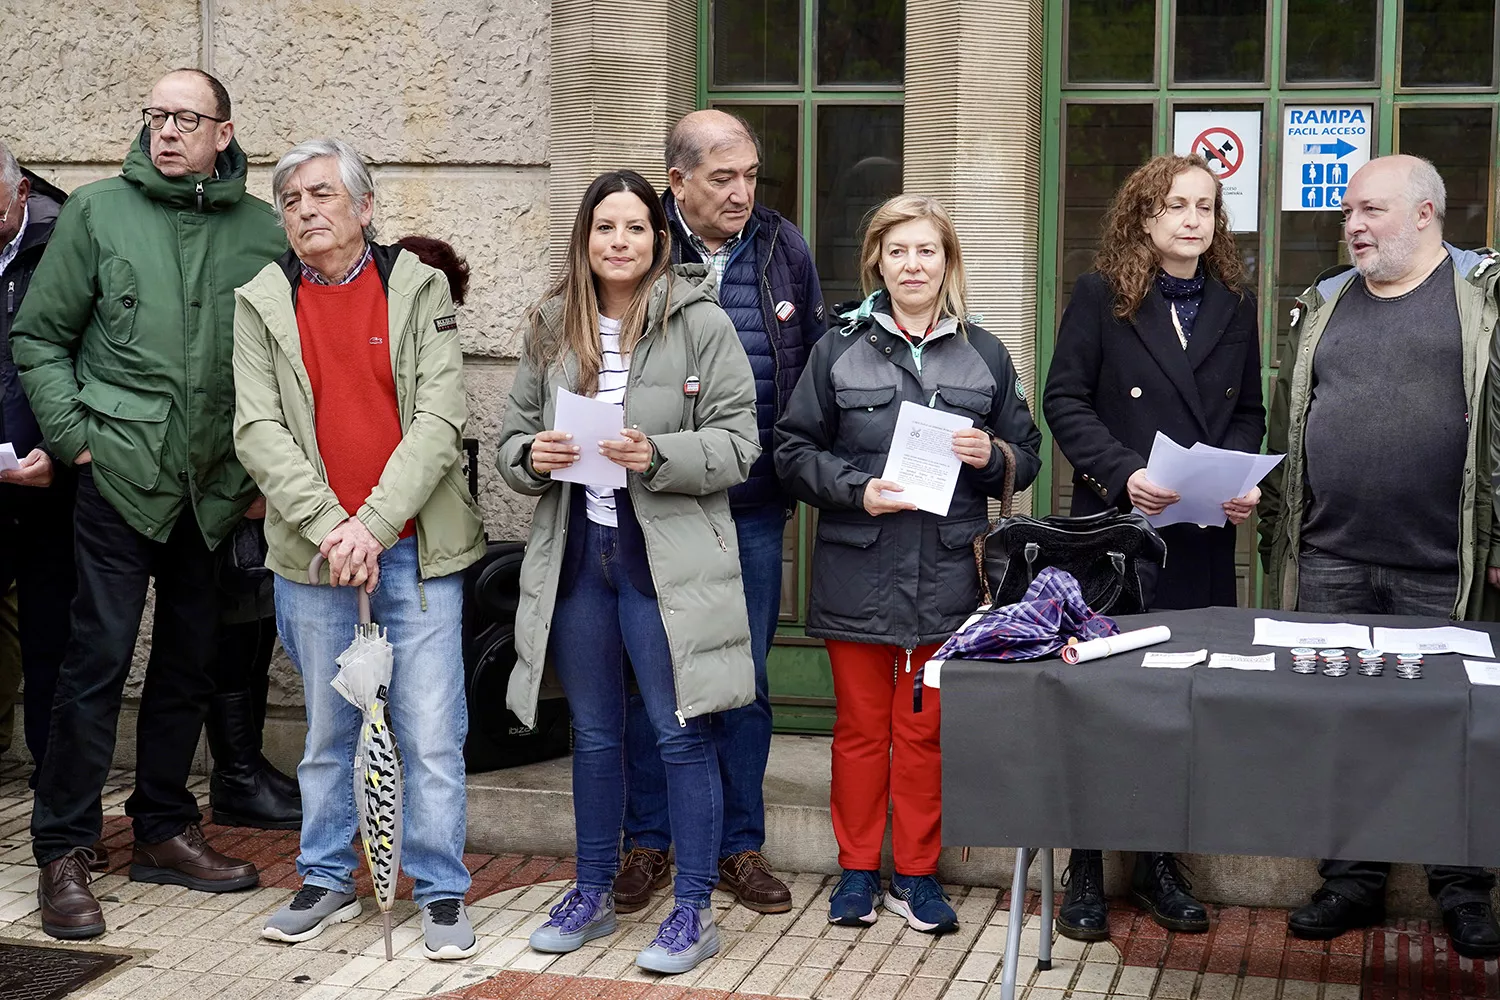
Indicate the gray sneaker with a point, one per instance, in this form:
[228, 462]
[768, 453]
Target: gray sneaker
[581, 916]
[685, 938]
[446, 931]
[308, 912]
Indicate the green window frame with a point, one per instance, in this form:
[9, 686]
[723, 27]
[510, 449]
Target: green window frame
[1388, 95]
[800, 679]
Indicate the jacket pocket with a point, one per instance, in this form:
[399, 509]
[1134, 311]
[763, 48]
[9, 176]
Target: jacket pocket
[957, 575]
[974, 401]
[847, 577]
[863, 399]
[127, 431]
[119, 300]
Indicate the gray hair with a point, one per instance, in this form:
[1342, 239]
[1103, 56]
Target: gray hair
[10, 170]
[352, 171]
[689, 142]
[1426, 184]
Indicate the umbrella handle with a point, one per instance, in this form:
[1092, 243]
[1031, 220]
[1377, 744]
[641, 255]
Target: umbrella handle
[314, 569]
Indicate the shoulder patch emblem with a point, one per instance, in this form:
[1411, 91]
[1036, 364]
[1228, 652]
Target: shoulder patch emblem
[818, 311]
[446, 324]
[1020, 389]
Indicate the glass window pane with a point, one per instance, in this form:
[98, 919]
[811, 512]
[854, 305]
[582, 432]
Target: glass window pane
[861, 42]
[1448, 43]
[1111, 41]
[1311, 242]
[859, 166]
[1458, 142]
[1330, 41]
[755, 42]
[781, 151]
[1102, 144]
[1220, 41]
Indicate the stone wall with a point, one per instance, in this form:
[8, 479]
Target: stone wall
[447, 99]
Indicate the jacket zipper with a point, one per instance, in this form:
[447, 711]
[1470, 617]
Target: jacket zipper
[908, 661]
[10, 298]
[765, 284]
[200, 196]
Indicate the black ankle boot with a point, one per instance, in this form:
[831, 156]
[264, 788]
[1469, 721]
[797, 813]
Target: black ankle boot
[1161, 889]
[245, 789]
[1084, 915]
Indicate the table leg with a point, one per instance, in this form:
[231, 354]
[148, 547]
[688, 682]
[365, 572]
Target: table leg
[1017, 917]
[1044, 948]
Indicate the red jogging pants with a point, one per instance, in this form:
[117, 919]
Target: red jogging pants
[884, 752]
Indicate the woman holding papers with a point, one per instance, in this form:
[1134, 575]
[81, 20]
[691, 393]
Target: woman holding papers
[646, 572]
[1160, 337]
[891, 581]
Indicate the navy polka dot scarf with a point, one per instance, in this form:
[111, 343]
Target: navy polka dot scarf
[1184, 295]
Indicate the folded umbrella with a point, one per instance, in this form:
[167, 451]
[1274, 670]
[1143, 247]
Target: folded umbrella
[1038, 625]
[364, 680]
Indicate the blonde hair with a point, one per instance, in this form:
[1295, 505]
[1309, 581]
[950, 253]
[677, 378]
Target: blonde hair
[906, 208]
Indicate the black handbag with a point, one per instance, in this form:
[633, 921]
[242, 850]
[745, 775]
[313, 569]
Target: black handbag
[1105, 552]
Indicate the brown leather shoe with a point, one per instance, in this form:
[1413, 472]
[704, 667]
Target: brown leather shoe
[69, 909]
[187, 860]
[99, 863]
[645, 870]
[749, 877]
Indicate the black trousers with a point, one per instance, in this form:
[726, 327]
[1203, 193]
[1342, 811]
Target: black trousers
[115, 564]
[1364, 882]
[36, 554]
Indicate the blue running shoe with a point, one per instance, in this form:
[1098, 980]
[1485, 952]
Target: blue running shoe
[923, 903]
[856, 899]
[580, 917]
[684, 939]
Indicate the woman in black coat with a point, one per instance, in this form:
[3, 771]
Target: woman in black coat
[1160, 337]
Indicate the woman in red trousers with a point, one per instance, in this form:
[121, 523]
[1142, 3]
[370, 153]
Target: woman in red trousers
[891, 582]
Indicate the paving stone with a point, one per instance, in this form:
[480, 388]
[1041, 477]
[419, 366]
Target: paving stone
[1175, 984]
[1135, 981]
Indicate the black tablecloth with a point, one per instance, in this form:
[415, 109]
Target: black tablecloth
[1111, 755]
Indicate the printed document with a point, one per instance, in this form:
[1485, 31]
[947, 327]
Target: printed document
[1234, 661]
[1174, 660]
[1446, 639]
[921, 458]
[1204, 477]
[8, 460]
[1271, 632]
[590, 421]
[1482, 673]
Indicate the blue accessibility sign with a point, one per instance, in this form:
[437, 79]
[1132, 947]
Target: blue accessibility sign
[1321, 148]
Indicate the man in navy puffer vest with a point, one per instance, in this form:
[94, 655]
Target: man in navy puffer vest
[769, 287]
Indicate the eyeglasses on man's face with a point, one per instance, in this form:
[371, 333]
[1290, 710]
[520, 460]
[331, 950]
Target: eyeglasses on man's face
[187, 121]
[12, 205]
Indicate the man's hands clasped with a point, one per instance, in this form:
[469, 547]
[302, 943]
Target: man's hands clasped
[353, 555]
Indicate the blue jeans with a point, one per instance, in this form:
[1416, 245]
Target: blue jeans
[742, 736]
[427, 711]
[594, 626]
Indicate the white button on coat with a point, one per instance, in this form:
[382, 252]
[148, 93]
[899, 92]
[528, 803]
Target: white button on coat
[1135, 392]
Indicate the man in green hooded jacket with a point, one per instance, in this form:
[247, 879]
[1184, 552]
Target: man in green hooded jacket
[125, 349]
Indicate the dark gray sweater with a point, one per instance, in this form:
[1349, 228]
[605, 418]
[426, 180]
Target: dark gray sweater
[1387, 428]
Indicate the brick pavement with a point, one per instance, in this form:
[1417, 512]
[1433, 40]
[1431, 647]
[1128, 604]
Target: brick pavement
[185, 945]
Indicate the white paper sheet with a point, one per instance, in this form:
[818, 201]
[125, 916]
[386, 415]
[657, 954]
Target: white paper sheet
[8, 459]
[1482, 673]
[1175, 660]
[1273, 632]
[1204, 477]
[589, 421]
[1445, 639]
[921, 458]
[1234, 661]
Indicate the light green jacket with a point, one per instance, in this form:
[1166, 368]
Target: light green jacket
[682, 504]
[277, 440]
[1283, 500]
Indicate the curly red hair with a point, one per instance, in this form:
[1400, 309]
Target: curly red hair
[1128, 259]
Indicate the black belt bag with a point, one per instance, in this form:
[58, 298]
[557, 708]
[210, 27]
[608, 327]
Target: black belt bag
[1104, 552]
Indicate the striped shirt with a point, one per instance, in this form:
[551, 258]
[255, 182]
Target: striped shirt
[614, 369]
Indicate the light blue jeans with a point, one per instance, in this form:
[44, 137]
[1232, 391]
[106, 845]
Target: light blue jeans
[428, 715]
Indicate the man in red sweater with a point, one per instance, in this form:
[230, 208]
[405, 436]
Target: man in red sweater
[350, 413]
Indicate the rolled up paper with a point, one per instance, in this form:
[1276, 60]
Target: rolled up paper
[1096, 649]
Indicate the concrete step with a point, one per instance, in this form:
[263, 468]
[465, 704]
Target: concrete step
[529, 810]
